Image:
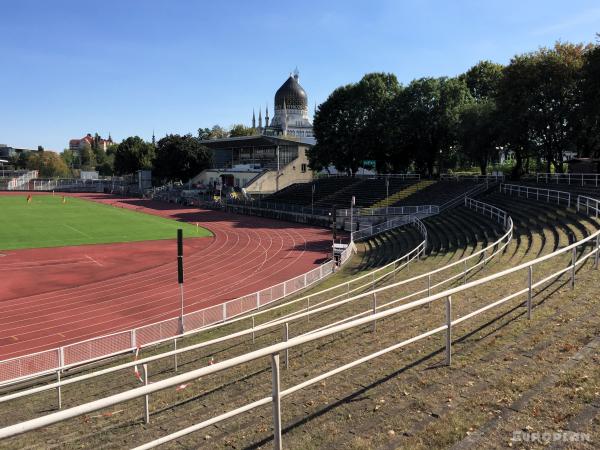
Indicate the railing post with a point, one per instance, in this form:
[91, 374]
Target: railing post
[573, 258]
[597, 251]
[448, 330]
[286, 336]
[276, 402]
[146, 397]
[374, 311]
[58, 389]
[175, 348]
[529, 293]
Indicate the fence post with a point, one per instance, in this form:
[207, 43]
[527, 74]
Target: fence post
[374, 311]
[175, 348]
[286, 336]
[133, 339]
[448, 330]
[224, 311]
[146, 397]
[529, 293]
[276, 402]
[597, 251]
[58, 390]
[573, 258]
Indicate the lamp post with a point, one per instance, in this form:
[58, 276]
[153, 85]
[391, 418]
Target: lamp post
[312, 199]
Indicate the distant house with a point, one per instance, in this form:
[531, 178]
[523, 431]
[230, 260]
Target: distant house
[88, 141]
[584, 165]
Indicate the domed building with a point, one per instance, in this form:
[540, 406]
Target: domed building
[291, 112]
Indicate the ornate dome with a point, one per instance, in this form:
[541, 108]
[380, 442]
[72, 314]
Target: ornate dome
[294, 95]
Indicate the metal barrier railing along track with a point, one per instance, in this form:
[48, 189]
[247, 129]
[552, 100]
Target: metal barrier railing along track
[322, 306]
[273, 351]
[51, 361]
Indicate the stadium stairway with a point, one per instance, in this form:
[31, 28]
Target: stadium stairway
[501, 364]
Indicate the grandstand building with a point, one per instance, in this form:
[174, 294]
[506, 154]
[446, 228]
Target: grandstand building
[258, 164]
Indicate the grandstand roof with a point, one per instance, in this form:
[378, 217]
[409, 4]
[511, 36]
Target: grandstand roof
[255, 141]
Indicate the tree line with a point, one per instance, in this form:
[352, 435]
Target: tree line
[534, 110]
[171, 158]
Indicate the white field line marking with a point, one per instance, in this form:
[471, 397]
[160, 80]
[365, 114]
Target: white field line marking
[93, 260]
[76, 230]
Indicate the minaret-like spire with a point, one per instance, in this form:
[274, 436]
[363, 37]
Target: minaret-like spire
[153, 139]
[285, 119]
[253, 119]
[267, 117]
[260, 118]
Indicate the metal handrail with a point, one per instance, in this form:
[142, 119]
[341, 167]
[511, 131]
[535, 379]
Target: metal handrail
[274, 350]
[318, 307]
[569, 178]
[538, 193]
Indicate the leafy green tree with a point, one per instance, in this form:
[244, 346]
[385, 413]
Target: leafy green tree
[49, 164]
[539, 97]
[427, 114]
[483, 80]
[203, 133]
[478, 133]
[133, 154]
[180, 157]
[239, 130]
[350, 124]
[588, 139]
[87, 158]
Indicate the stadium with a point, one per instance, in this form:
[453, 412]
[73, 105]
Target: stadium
[199, 249]
[282, 341]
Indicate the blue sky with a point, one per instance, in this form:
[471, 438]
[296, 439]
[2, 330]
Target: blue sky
[130, 66]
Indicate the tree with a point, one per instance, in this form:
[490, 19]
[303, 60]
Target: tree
[180, 157]
[427, 114]
[478, 133]
[40, 148]
[588, 136]
[133, 154]
[49, 164]
[539, 100]
[203, 134]
[483, 80]
[87, 158]
[350, 126]
[241, 130]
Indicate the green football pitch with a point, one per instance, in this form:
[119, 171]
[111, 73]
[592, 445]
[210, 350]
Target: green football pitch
[48, 222]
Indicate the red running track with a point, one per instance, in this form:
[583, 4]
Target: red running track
[56, 296]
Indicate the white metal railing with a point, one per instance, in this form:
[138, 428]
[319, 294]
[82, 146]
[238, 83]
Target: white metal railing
[548, 195]
[390, 210]
[588, 203]
[273, 351]
[470, 177]
[399, 176]
[371, 278]
[58, 359]
[21, 182]
[380, 228]
[583, 179]
[461, 198]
